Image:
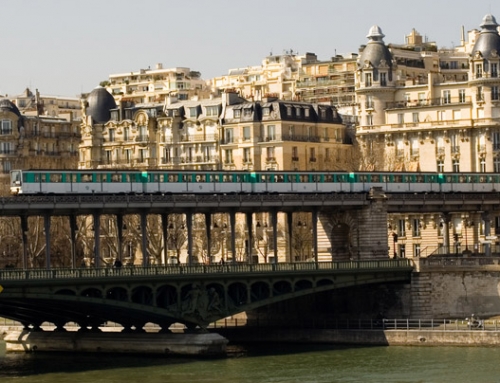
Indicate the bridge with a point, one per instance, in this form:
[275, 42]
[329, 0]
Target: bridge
[194, 295]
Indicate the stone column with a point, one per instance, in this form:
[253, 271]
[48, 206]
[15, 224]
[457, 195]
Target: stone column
[274, 223]
[164, 229]
[144, 239]
[445, 220]
[97, 239]
[119, 224]
[208, 231]
[487, 232]
[289, 223]
[315, 234]
[46, 221]
[232, 223]
[24, 234]
[72, 227]
[189, 223]
[249, 219]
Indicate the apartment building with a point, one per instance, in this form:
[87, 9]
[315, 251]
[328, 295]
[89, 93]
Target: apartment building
[436, 110]
[154, 85]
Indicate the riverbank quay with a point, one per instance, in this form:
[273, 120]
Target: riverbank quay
[386, 332]
[112, 340]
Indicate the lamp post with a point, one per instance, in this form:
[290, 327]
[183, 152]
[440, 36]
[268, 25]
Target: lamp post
[395, 240]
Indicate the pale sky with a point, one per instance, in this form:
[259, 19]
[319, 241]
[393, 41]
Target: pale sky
[66, 47]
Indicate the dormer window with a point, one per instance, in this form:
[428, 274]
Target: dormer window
[368, 79]
[266, 111]
[193, 112]
[247, 112]
[236, 113]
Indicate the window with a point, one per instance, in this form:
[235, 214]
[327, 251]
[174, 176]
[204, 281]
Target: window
[236, 113]
[312, 154]
[415, 118]
[383, 79]
[416, 227]
[143, 133]
[479, 70]
[295, 153]
[193, 112]
[401, 229]
[270, 133]
[246, 133]
[112, 134]
[247, 156]
[461, 95]
[494, 70]
[496, 140]
[482, 165]
[229, 135]
[369, 120]
[421, 98]
[247, 112]
[143, 155]
[126, 133]
[6, 127]
[6, 166]
[440, 166]
[368, 79]
[306, 112]
[291, 132]
[494, 93]
[128, 155]
[479, 94]
[416, 250]
[455, 164]
[229, 156]
[369, 102]
[496, 164]
[401, 118]
[270, 153]
[446, 97]
[212, 110]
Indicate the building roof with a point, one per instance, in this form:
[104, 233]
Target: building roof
[100, 102]
[376, 52]
[488, 41]
[8, 106]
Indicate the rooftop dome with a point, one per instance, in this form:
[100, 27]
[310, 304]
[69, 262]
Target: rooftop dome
[8, 106]
[100, 102]
[375, 51]
[488, 41]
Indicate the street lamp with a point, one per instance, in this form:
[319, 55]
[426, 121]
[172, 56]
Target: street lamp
[395, 240]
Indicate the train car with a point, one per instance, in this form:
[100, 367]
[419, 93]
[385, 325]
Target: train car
[226, 182]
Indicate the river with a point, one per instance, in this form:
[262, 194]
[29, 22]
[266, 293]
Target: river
[264, 364]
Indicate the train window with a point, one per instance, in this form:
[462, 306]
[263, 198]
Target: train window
[363, 178]
[98, 177]
[328, 178]
[420, 178]
[449, 179]
[43, 177]
[398, 178]
[86, 177]
[482, 179]
[462, 179]
[115, 178]
[55, 177]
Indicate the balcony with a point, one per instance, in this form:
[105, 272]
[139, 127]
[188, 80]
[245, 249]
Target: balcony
[426, 103]
[291, 137]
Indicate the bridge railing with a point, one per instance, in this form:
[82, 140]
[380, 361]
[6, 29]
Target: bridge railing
[456, 262]
[183, 269]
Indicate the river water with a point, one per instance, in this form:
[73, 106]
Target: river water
[263, 364]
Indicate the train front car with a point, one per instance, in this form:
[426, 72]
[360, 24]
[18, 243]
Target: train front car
[16, 178]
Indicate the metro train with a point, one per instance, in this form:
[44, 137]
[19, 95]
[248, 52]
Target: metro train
[107, 181]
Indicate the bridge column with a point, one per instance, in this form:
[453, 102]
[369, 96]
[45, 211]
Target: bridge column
[119, 224]
[97, 239]
[487, 232]
[24, 234]
[164, 228]
[232, 222]
[315, 233]
[144, 239]
[445, 221]
[289, 223]
[189, 223]
[249, 219]
[46, 222]
[274, 223]
[208, 229]
[72, 228]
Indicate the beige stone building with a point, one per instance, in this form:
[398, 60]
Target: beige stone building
[154, 85]
[276, 76]
[435, 110]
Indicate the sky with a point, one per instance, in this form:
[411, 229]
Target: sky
[67, 47]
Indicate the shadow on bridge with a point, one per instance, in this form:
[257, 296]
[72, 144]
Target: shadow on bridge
[192, 295]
